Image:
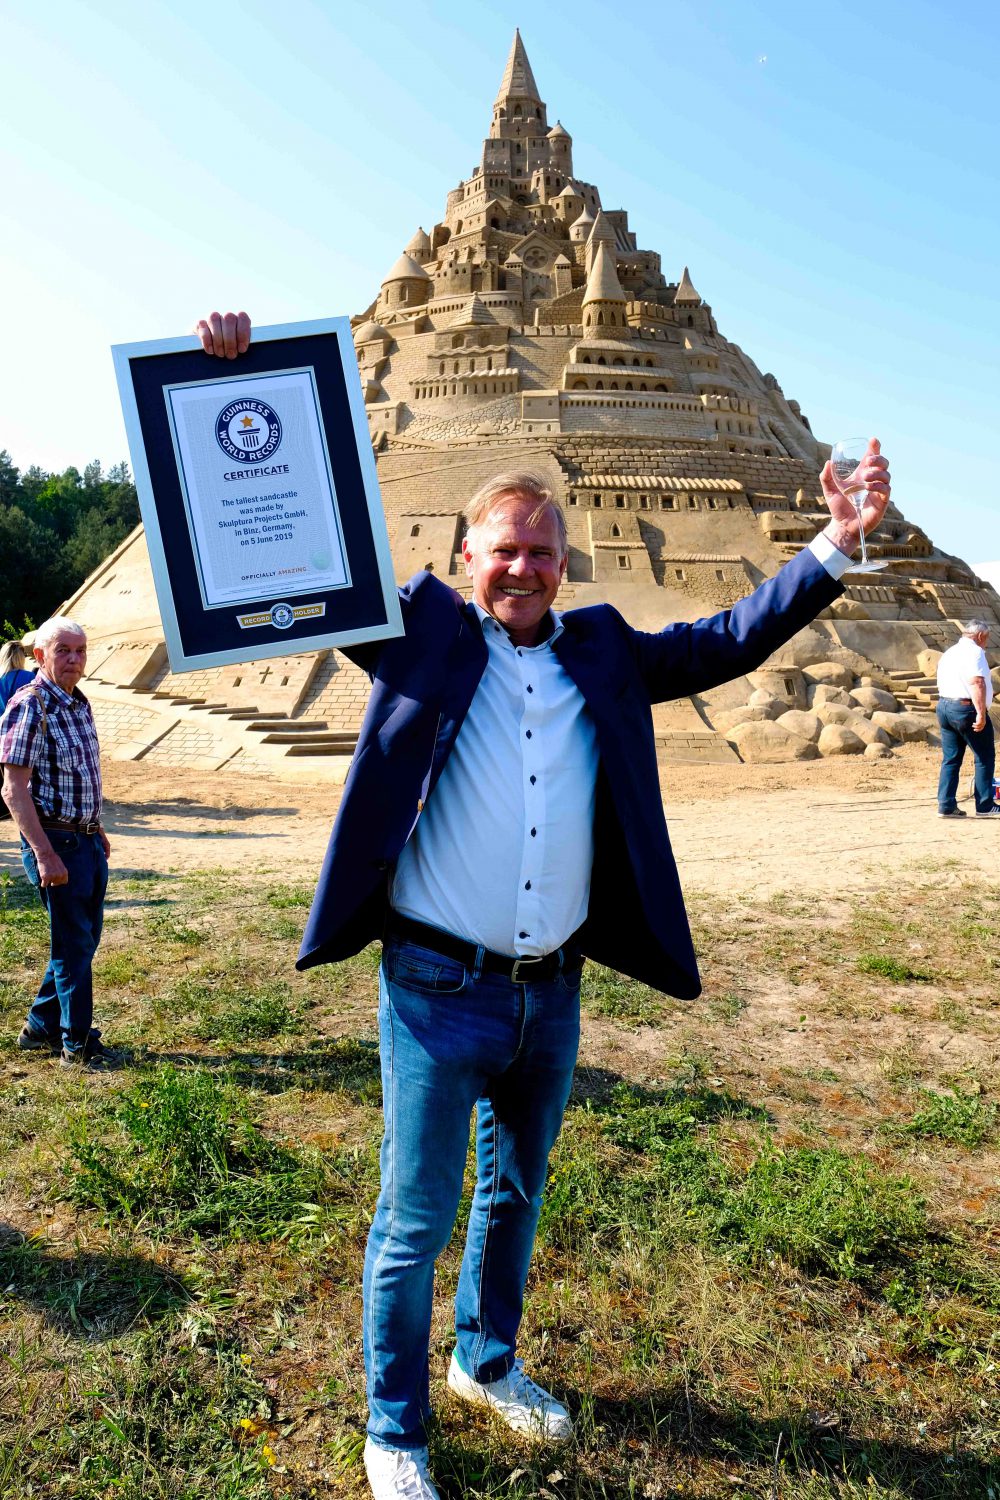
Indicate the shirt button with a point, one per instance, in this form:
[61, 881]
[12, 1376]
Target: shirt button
[527, 734]
[530, 688]
[524, 934]
[527, 885]
[532, 779]
[533, 832]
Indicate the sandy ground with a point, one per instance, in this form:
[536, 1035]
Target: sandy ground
[819, 826]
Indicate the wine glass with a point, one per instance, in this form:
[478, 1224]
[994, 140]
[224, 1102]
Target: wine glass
[845, 460]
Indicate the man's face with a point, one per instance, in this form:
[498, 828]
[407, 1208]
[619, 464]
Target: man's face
[516, 568]
[63, 659]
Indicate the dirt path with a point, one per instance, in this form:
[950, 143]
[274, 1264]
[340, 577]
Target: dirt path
[819, 826]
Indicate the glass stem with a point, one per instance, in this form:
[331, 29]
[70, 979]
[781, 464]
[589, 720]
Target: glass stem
[864, 551]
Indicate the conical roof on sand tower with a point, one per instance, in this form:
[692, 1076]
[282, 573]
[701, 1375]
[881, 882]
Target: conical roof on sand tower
[518, 80]
[685, 291]
[602, 283]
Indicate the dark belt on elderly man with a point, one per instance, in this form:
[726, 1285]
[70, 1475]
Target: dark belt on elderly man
[72, 825]
[519, 970]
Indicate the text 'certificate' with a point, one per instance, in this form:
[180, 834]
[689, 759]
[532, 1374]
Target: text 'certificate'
[258, 489]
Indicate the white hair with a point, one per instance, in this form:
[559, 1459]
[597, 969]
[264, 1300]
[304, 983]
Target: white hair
[51, 628]
[977, 627]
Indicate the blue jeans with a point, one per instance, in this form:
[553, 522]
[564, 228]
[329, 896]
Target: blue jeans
[452, 1040]
[956, 720]
[65, 1000]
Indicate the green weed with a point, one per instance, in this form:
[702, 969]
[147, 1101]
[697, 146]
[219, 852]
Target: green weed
[890, 968]
[283, 896]
[964, 1119]
[181, 1149]
[822, 1211]
[253, 1015]
[611, 994]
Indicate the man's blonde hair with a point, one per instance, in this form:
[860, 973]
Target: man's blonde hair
[516, 482]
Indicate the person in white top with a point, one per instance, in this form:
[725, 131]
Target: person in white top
[965, 692]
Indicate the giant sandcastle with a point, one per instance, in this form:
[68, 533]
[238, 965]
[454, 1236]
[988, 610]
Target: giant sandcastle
[528, 329]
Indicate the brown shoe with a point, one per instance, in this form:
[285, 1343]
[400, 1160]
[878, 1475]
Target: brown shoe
[92, 1057]
[38, 1041]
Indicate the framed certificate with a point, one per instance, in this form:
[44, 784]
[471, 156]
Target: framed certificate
[257, 488]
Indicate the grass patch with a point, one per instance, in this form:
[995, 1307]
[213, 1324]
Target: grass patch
[964, 1119]
[283, 896]
[823, 1212]
[121, 967]
[817, 1209]
[250, 1016]
[890, 968]
[96, 1293]
[720, 1264]
[180, 1149]
[154, 1421]
[611, 994]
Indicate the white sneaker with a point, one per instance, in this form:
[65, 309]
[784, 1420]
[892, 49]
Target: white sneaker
[398, 1473]
[523, 1405]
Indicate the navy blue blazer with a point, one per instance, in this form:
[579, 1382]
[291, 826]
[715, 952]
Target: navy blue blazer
[422, 686]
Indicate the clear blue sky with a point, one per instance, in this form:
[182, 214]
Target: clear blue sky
[829, 174]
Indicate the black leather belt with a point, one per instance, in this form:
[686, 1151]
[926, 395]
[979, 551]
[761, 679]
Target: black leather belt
[71, 825]
[519, 970]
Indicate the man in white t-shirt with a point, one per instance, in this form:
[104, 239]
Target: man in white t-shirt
[965, 692]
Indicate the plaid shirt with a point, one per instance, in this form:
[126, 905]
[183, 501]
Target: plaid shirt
[53, 733]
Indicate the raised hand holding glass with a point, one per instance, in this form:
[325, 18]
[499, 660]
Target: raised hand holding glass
[845, 462]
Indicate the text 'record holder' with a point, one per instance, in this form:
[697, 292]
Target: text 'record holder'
[257, 487]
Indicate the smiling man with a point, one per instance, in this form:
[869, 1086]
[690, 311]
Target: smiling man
[502, 820]
[52, 786]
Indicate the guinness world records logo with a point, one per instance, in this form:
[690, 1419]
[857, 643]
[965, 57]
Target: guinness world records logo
[248, 431]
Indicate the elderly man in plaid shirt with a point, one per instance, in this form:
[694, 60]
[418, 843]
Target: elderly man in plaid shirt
[52, 786]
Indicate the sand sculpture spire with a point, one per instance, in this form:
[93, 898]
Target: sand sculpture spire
[685, 290]
[604, 289]
[518, 81]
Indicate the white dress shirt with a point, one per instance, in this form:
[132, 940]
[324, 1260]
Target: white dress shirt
[502, 853]
[957, 667]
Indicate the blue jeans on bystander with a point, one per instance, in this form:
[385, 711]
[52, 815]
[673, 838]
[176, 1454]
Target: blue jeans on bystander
[65, 1000]
[955, 718]
[453, 1039]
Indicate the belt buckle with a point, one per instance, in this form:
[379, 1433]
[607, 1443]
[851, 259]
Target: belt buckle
[519, 963]
[90, 828]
